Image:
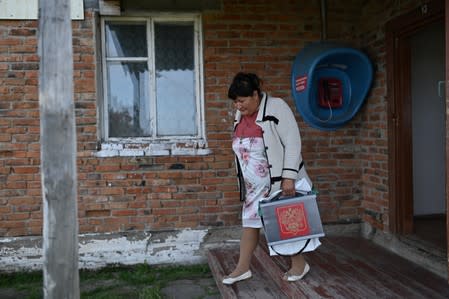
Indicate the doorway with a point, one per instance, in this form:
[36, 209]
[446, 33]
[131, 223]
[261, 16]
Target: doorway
[417, 125]
[428, 133]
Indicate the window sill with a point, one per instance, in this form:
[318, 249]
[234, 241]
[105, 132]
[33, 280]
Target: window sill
[153, 149]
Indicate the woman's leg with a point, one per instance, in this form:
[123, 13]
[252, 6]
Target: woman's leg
[297, 264]
[248, 243]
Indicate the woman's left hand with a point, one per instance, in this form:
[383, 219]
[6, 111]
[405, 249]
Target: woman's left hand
[288, 187]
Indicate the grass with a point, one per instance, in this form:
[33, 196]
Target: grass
[115, 282]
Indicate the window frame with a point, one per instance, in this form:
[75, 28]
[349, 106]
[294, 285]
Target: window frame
[150, 20]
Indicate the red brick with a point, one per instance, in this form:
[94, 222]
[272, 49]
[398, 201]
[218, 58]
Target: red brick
[124, 213]
[98, 213]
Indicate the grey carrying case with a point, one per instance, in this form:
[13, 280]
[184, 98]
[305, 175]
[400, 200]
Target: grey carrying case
[291, 219]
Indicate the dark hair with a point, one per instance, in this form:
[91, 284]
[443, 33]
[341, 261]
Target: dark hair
[244, 85]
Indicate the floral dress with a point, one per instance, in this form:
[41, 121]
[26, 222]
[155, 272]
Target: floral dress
[250, 152]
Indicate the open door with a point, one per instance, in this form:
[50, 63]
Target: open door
[417, 121]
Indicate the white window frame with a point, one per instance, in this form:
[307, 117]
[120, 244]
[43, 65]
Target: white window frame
[165, 145]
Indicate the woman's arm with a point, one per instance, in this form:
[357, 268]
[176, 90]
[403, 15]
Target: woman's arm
[288, 132]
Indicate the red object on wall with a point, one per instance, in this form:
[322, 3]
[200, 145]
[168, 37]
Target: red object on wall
[330, 93]
[292, 220]
[301, 83]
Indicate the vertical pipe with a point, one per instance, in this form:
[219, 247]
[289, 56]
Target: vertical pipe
[323, 20]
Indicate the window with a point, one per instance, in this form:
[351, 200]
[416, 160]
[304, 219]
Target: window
[152, 79]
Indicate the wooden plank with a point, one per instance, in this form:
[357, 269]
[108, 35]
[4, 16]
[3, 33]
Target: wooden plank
[130, 6]
[214, 257]
[347, 274]
[398, 270]
[335, 281]
[275, 273]
[58, 151]
[245, 289]
[28, 9]
[324, 280]
[262, 284]
[336, 272]
[223, 261]
[341, 267]
[109, 7]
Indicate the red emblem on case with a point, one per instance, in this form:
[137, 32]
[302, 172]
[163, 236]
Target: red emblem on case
[292, 220]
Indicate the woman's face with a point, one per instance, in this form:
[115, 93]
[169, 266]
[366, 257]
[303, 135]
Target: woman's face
[247, 105]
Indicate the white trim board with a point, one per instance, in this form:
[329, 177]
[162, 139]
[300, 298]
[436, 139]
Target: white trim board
[28, 9]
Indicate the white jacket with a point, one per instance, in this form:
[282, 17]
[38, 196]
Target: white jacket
[282, 142]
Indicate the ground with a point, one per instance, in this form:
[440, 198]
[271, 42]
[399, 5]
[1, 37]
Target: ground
[140, 281]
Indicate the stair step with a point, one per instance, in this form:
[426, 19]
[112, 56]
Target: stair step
[266, 281]
[342, 267]
[276, 266]
[213, 258]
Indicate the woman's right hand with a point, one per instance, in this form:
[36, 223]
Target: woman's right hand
[288, 187]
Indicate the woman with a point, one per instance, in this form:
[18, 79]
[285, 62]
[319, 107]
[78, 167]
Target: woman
[267, 145]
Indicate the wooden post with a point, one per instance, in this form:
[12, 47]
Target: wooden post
[58, 151]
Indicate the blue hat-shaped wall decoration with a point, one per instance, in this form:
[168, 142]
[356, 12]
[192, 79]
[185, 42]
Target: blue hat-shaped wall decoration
[330, 83]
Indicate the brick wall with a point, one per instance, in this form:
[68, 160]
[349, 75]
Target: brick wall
[373, 134]
[264, 38]
[20, 204]
[116, 194]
